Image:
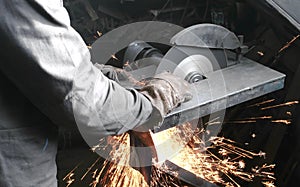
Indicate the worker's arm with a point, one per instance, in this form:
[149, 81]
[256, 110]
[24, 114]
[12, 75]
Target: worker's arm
[49, 62]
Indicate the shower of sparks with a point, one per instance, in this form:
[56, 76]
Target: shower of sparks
[262, 103]
[218, 168]
[116, 171]
[281, 105]
[222, 167]
[217, 160]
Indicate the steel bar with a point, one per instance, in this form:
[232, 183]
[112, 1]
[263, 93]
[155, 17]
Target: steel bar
[187, 176]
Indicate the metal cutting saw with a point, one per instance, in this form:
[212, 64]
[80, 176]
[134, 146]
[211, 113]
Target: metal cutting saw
[211, 58]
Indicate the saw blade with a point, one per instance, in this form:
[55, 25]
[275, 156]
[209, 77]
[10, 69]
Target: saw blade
[193, 64]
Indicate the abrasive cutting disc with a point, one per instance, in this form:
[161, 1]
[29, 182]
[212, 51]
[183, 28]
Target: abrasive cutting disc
[195, 63]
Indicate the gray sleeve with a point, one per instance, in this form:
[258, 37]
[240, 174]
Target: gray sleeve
[49, 62]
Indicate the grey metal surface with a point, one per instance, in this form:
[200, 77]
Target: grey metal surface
[225, 88]
[289, 9]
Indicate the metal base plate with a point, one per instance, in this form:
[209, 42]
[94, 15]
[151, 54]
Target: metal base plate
[226, 88]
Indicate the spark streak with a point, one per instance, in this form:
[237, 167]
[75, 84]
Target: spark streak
[262, 103]
[241, 122]
[202, 162]
[69, 177]
[99, 34]
[257, 118]
[114, 57]
[289, 44]
[89, 169]
[213, 122]
[281, 105]
[286, 122]
[260, 53]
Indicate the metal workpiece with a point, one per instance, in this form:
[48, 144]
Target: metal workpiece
[187, 176]
[225, 88]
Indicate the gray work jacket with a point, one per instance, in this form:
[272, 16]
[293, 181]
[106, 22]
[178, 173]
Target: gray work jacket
[45, 68]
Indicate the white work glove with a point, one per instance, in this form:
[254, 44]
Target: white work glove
[166, 92]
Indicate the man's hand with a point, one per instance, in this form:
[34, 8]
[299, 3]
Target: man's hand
[166, 92]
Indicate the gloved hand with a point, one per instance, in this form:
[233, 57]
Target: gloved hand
[166, 92]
